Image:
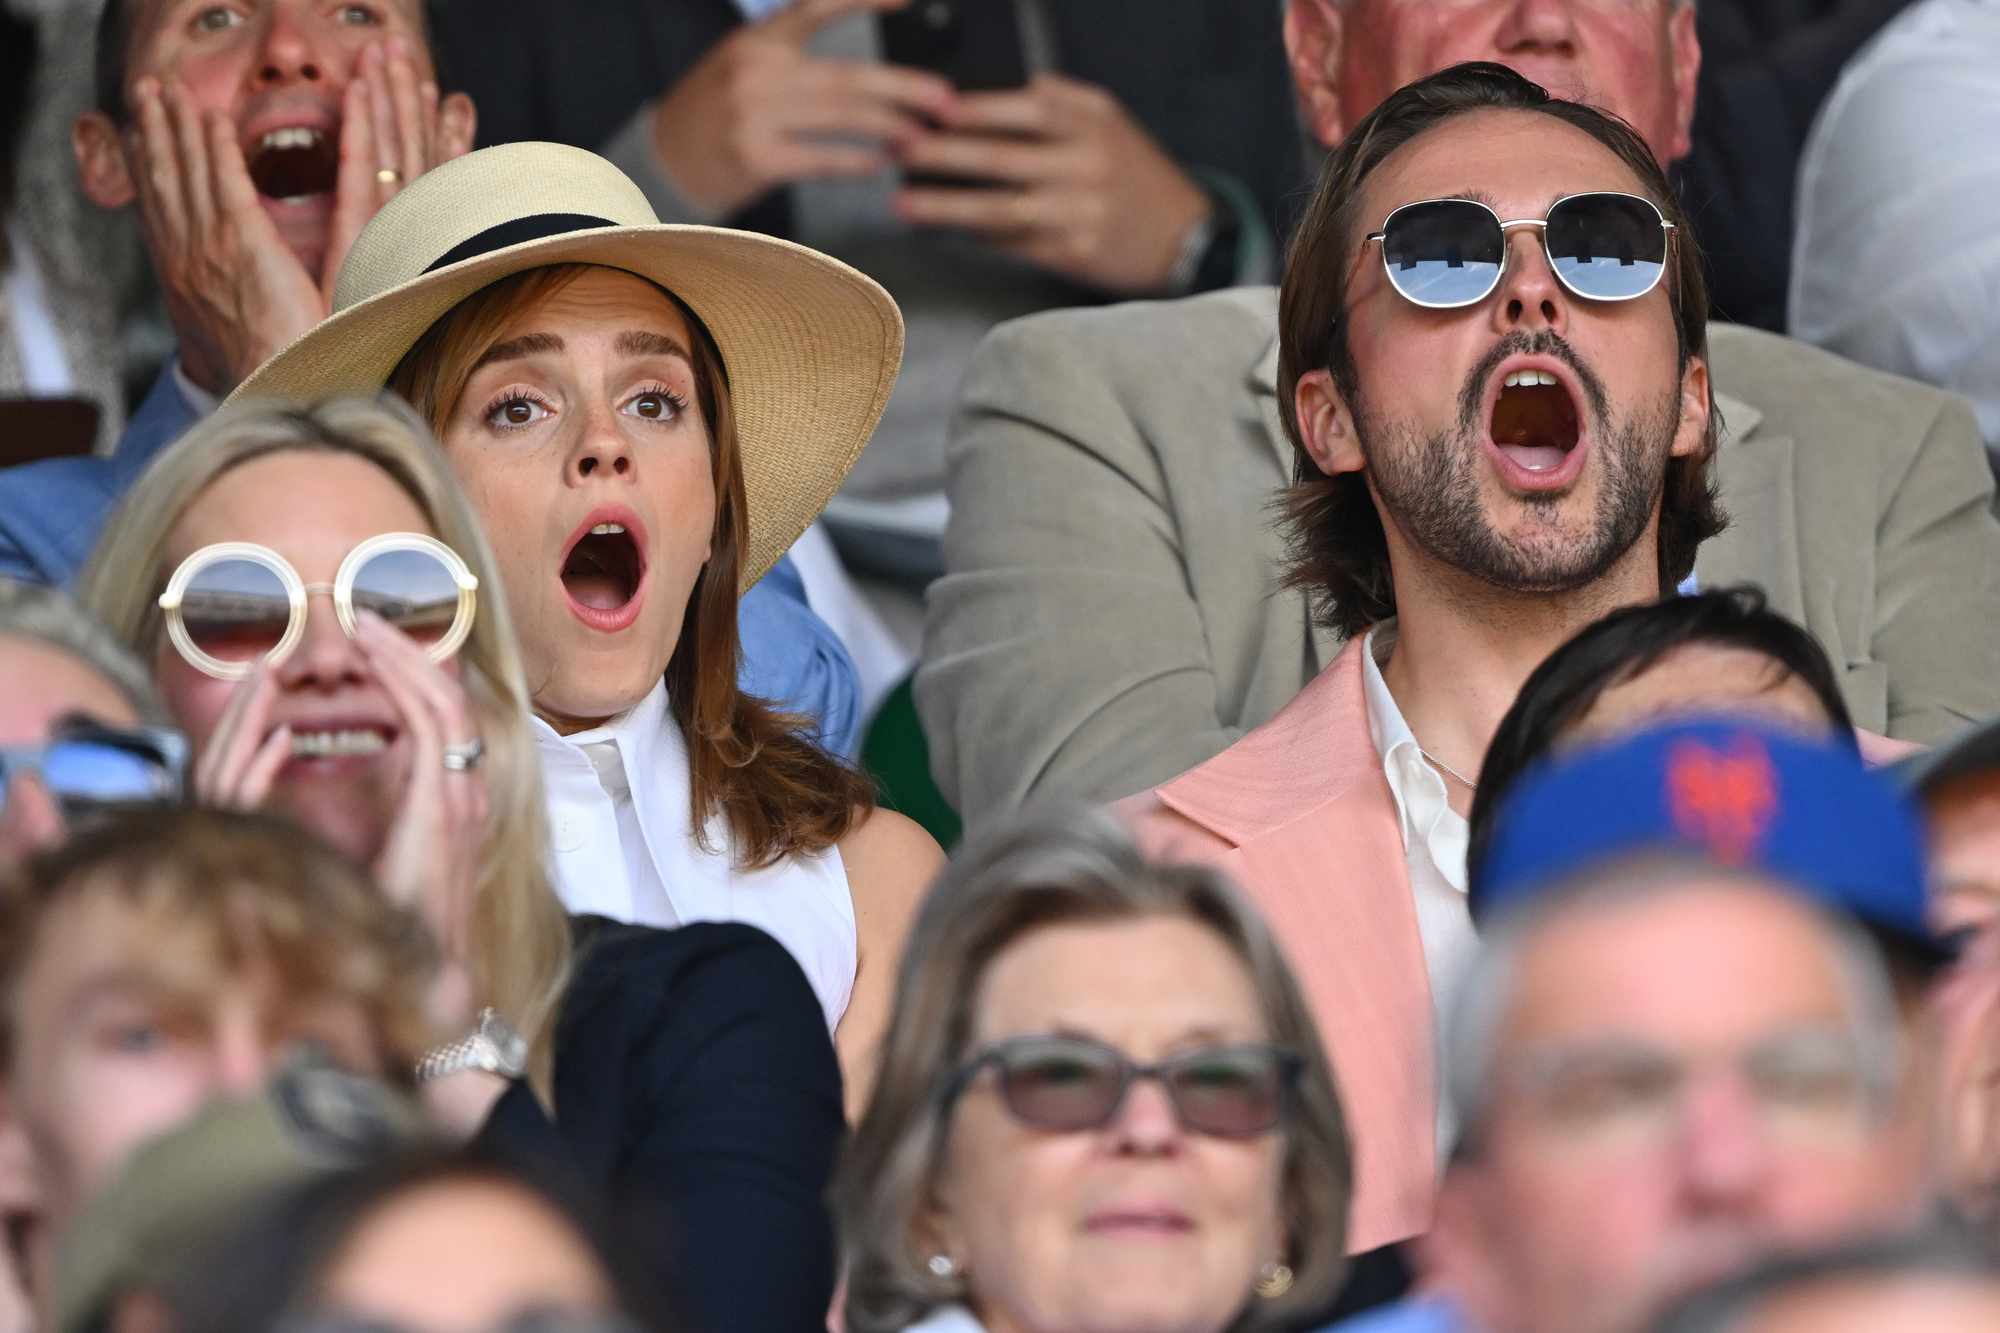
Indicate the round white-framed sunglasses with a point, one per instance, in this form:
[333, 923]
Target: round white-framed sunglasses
[231, 605]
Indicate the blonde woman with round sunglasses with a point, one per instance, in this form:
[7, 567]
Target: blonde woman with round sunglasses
[325, 621]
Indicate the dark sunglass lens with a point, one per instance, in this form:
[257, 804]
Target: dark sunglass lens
[1443, 253]
[236, 610]
[1232, 1093]
[1609, 247]
[103, 771]
[411, 589]
[1060, 1087]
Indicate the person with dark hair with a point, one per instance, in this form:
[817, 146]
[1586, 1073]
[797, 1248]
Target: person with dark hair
[1710, 652]
[256, 139]
[1493, 374]
[1107, 617]
[1938, 1279]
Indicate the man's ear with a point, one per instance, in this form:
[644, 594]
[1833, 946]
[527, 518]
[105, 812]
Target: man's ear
[458, 126]
[1685, 44]
[1326, 424]
[1313, 35]
[101, 162]
[1696, 407]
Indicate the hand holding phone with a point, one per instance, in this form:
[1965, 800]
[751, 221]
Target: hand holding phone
[759, 111]
[1069, 181]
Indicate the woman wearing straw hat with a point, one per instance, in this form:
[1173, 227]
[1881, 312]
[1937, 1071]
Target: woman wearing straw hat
[646, 416]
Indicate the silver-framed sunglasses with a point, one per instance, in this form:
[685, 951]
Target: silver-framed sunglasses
[1602, 245]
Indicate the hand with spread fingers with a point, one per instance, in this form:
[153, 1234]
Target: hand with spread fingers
[236, 291]
[758, 111]
[1077, 185]
[430, 860]
[236, 768]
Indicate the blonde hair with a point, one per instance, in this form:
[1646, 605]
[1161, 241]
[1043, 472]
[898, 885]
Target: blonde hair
[220, 889]
[781, 794]
[520, 944]
[1045, 871]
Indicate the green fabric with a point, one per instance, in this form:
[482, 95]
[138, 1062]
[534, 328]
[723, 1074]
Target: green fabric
[895, 754]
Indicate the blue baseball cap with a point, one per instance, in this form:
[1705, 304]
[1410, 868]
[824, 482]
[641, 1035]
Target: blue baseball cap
[1732, 792]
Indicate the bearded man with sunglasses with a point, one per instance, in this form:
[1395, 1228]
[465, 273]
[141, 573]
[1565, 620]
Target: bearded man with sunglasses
[1493, 368]
[1107, 616]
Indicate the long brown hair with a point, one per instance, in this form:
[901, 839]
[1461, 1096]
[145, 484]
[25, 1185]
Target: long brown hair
[1338, 553]
[782, 794]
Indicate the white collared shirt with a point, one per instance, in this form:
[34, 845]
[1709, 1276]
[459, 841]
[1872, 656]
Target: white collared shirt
[1434, 842]
[623, 842]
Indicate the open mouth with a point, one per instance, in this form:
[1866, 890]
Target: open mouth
[295, 162]
[603, 569]
[1534, 420]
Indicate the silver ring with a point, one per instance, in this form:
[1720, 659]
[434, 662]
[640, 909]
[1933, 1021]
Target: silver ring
[464, 758]
[388, 176]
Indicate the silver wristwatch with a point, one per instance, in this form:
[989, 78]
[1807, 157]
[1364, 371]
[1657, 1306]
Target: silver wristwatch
[494, 1046]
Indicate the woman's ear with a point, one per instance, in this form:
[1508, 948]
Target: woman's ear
[1326, 425]
[101, 166]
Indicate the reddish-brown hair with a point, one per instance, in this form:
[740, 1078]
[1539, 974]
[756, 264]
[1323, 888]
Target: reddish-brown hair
[782, 794]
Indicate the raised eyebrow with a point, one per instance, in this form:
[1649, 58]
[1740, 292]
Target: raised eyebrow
[515, 349]
[645, 342]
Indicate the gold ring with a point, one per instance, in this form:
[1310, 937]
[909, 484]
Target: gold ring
[389, 176]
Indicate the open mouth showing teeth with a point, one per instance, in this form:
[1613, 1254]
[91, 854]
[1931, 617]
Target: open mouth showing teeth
[603, 569]
[337, 744]
[1534, 420]
[295, 163]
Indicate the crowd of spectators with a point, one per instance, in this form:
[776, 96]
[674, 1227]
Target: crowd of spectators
[998, 666]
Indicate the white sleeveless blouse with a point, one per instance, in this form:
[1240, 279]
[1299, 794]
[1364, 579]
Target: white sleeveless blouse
[624, 847]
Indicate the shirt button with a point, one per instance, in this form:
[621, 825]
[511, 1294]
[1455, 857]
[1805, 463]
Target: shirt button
[568, 834]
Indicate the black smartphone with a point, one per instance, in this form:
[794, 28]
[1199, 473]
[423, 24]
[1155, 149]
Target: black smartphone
[974, 43]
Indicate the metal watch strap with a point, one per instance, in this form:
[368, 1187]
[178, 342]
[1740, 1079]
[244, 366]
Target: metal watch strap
[475, 1050]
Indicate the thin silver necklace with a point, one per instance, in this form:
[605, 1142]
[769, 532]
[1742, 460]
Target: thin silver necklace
[1470, 785]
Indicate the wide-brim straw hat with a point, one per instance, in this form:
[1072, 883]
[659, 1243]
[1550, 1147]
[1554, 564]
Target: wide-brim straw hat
[811, 346]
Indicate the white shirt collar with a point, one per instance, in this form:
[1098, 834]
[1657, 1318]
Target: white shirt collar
[640, 723]
[1423, 805]
[201, 400]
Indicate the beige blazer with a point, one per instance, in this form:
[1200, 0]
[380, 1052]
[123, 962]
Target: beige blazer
[1107, 617]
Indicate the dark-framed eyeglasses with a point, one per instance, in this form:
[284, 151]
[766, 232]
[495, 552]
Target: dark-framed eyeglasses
[1444, 254]
[1066, 1084]
[85, 764]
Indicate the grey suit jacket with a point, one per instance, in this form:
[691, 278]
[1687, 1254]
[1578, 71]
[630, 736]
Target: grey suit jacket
[1108, 617]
